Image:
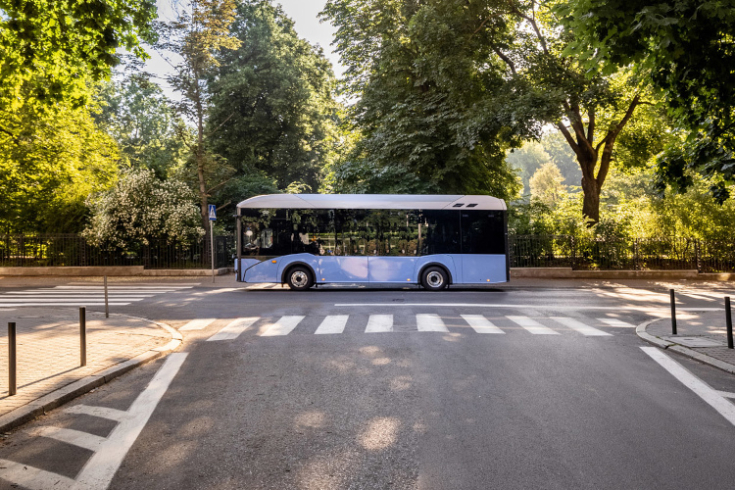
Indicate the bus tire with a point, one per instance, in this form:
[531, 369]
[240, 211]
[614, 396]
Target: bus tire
[299, 278]
[434, 279]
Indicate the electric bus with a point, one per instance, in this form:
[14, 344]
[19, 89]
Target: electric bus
[305, 240]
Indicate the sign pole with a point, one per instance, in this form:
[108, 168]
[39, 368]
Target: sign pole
[211, 245]
[212, 217]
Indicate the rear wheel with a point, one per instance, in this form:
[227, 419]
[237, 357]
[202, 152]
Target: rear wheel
[299, 278]
[434, 279]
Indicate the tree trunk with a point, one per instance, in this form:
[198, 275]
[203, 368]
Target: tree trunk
[591, 203]
[200, 159]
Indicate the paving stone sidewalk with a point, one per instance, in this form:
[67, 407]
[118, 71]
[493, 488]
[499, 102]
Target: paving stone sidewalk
[48, 348]
[696, 328]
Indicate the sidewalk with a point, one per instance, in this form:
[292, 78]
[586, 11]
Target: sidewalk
[700, 335]
[48, 348]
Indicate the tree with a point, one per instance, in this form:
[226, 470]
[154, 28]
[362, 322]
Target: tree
[46, 44]
[685, 48]
[137, 114]
[591, 111]
[547, 184]
[447, 86]
[272, 105]
[528, 159]
[49, 166]
[140, 208]
[200, 32]
[432, 116]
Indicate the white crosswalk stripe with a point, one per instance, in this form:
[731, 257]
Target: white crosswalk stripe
[234, 329]
[379, 323]
[424, 322]
[430, 323]
[284, 326]
[333, 324]
[614, 322]
[580, 327]
[481, 324]
[84, 295]
[198, 324]
[532, 325]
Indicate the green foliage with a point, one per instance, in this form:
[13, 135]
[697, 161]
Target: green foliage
[546, 184]
[45, 45]
[685, 48]
[48, 168]
[633, 210]
[136, 113]
[272, 105]
[140, 208]
[199, 33]
[432, 106]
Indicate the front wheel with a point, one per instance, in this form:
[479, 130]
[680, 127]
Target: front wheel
[299, 278]
[434, 279]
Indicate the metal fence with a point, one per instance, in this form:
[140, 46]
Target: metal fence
[579, 253]
[593, 253]
[73, 250]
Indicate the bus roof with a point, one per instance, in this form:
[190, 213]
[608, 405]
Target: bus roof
[373, 201]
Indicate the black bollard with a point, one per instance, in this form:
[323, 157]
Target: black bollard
[83, 334]
[728, 321]
[13, 360]
[673, 312]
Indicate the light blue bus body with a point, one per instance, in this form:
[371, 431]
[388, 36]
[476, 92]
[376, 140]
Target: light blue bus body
[357, 239]
[463, 269]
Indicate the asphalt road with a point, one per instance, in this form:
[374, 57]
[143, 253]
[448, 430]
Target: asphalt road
[532, 401]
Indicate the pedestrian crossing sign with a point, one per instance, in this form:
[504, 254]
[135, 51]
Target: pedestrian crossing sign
[212, 212]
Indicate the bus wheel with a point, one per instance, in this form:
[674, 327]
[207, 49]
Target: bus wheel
[434, 279]
[299, 278]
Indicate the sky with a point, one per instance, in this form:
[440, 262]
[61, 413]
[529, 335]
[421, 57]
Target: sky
[303, 12]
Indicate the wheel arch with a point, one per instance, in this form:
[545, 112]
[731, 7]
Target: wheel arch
[291, 265]
[435, 264]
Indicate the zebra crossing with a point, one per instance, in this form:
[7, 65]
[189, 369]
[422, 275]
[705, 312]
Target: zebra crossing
[423, 322]
[92, 295]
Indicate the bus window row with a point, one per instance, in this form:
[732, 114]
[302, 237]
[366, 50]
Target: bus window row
[347, 232]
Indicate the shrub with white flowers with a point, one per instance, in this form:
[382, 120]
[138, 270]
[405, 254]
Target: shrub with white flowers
[141, 208]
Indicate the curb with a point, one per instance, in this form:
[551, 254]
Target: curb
[640, 330]
[50, 401]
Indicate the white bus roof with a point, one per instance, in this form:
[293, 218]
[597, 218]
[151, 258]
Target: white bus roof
[372, 201]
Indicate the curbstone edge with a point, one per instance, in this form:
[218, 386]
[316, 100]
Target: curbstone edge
[65, 394]
[640, 330]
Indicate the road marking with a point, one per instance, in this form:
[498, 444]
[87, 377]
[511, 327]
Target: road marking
[614, 322]
[580, 327]
[525, 307]
[102, 466]
[379, 323]
[481, 324]
[73, 303]
[333, 324]
[532, 325]
[233, 329]
[102, 412]
[137, 288]
[726, 394]
[198, 324]
[698, 296]
[71, 436]
[430, 323]
[33, 478]
[702, 389]
[284, 326]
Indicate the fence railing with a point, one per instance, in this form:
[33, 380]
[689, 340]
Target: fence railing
[74, 250]
[580, 253]
[589, 253]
